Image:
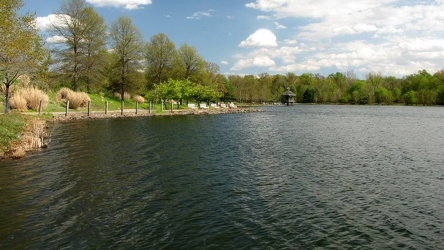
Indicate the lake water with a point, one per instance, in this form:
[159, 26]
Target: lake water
[298, 177]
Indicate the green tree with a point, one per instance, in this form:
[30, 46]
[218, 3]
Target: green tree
[20, 45]
[192, 62]
[80, 52]
[93, 47]
[410, 97]
[160, 54]
[127, 44]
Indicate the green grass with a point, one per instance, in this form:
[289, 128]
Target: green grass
[11, 125]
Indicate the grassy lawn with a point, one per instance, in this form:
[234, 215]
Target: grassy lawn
[11, 125]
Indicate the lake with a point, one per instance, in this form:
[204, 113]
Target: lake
[298, 177]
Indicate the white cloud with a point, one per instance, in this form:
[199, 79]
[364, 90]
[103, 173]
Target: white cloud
[224, 62]
[290, 41]
[56, 39]
[280, 26]
[314, 9]
[127, 4]
[263, 17]
[45, 23]
[260, 38]
[199, 14]
[387, 36]
[258, 61]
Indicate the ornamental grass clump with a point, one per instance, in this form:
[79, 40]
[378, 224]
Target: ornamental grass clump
[126, 96]
[30, 98]
[33, 97]
[139, 99]
[76, 99]
[18, 102]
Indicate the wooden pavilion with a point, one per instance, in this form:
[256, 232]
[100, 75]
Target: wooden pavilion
[288, 97]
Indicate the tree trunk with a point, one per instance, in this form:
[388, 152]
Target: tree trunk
[7, 106]
[7, 83]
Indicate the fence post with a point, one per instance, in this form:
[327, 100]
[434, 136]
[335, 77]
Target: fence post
[137, 107]
[122, 107]
[89, 108]
[67, 107]
[40, 107]
[106, 107]
[171, 106]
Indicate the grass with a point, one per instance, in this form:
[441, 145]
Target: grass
[11, 126]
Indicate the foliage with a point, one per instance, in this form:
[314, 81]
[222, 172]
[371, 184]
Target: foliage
[127, 44]
[20, 45]
[160, 55]
[80, 51]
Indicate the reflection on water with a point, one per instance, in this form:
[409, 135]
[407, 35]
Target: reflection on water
[292, 177]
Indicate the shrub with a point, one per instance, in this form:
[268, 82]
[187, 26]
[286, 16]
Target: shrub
[139, 99]
[18, 102]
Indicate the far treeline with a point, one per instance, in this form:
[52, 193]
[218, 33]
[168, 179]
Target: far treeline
[86, 55]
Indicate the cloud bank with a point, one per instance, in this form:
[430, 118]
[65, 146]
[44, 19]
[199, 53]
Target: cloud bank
[387, 36]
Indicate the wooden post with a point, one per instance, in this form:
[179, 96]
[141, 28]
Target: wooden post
[67, 107]
[161, 104]
[106, 107]
[171, 106]
[149, 107]
[137, 107]
[40, 107]
[89, 108]
[122, 107]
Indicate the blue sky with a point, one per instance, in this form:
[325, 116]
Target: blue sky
[390, 37]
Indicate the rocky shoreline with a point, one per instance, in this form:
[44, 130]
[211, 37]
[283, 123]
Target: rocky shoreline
[60, 117]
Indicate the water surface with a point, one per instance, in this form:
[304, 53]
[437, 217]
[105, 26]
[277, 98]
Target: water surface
[299, 177]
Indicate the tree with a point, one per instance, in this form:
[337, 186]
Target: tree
[192, 62]
[93, 47]
[127, 44]
[20, 45]
[160, 54]
[82, 43]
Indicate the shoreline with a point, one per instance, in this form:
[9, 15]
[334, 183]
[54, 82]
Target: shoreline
[72, 116]
[37, 136]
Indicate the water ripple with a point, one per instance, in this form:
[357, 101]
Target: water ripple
[302, 177]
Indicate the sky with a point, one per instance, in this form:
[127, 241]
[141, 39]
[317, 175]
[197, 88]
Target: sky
[250, 37]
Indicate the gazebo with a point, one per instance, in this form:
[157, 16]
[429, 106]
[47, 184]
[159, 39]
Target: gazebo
[288, 97]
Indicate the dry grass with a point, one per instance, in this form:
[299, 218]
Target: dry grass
[63, 93]
[18, 102]
[33, 97]
[139, 99]
[24, 133]
[30, 97]
[126, 96]
[76, 99]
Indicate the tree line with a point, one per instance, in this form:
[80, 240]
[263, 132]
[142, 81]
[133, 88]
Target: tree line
[87, 55]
